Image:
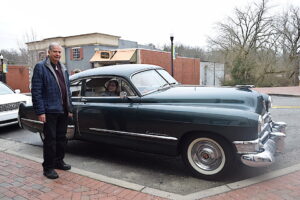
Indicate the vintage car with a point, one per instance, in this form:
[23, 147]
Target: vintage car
[210, 127]
[9, 104]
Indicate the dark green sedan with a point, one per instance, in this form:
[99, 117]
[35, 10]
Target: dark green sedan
[150, 111]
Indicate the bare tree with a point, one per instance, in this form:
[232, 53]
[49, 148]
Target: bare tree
[242, 37]
[13, 57]
[288, 27]
[248, 30]
[29, 56]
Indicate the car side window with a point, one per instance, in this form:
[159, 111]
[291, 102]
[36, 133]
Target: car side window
[106, 86]
[94, 87]
[75, 88]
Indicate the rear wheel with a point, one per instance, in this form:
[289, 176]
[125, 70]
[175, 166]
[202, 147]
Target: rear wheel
[208, 157]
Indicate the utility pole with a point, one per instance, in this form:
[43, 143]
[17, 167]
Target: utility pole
[3, 78]
[172, 52]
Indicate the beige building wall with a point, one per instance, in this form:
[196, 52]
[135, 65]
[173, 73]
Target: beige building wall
[96, 39]
[74, 41]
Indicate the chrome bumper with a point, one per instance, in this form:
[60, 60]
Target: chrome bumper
[256, 154]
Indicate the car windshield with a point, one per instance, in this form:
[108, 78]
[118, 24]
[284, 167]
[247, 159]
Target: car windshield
[5, 90]
[167, 76]
[151, 80]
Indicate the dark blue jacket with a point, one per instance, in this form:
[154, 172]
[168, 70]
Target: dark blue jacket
[45, 90]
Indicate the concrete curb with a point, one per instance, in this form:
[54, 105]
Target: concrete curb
[197, 195]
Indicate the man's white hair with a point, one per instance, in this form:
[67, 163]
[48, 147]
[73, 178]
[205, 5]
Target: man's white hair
[53, 44]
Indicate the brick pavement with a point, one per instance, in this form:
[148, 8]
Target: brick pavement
[285, 187]
[293, 90]
[22, 179]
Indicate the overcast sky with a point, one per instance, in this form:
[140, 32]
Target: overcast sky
[144, 21]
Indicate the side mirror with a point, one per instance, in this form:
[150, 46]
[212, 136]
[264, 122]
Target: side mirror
[17, 91]
[123, 95]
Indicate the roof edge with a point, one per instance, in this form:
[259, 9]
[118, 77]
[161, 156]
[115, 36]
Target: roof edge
[63, 37]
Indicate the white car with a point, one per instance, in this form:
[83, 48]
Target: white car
[9, 104]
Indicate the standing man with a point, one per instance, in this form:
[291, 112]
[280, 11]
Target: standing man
[52, 104]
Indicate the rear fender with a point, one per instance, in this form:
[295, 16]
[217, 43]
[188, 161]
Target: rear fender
[29, 120]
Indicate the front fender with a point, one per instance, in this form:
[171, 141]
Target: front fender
[175, 120]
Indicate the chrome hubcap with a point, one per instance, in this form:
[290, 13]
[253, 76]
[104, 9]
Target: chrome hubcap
[206, 155]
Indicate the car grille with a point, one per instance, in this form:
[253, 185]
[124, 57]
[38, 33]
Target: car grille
[9, 106]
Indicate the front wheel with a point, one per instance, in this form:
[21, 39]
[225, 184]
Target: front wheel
[208, 157]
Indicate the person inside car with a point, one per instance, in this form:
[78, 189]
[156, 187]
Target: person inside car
[111, 88]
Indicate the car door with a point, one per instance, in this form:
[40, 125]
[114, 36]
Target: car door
[104, 118]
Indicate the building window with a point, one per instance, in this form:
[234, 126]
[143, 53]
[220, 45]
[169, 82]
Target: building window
[76, 53]
[105, 55]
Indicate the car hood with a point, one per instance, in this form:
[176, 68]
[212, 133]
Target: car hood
[13, 98]
[235, 98]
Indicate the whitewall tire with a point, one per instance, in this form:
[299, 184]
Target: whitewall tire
[208, 157]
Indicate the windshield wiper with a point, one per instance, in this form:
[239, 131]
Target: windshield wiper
[163, 86]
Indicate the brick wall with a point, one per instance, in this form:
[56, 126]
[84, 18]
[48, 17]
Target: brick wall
[186, 70]
[18, 78]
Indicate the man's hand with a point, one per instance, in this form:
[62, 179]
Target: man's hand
[70, 115]
[42, 118]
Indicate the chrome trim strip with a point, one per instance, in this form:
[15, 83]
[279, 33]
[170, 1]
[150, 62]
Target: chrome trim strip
[264, 127]
[266, 115]
[264, 136]
[279, 126]
[30, 120]
[134, 134]
[103, 97]
[39, 122]
[250, 146]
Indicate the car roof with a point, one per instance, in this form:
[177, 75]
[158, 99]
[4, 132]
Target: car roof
[125, 70]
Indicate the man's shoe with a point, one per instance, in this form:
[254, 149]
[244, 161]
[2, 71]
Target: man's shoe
[50, 173]
[62, 165]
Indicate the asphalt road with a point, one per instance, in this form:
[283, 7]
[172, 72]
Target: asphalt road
[161, 172]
